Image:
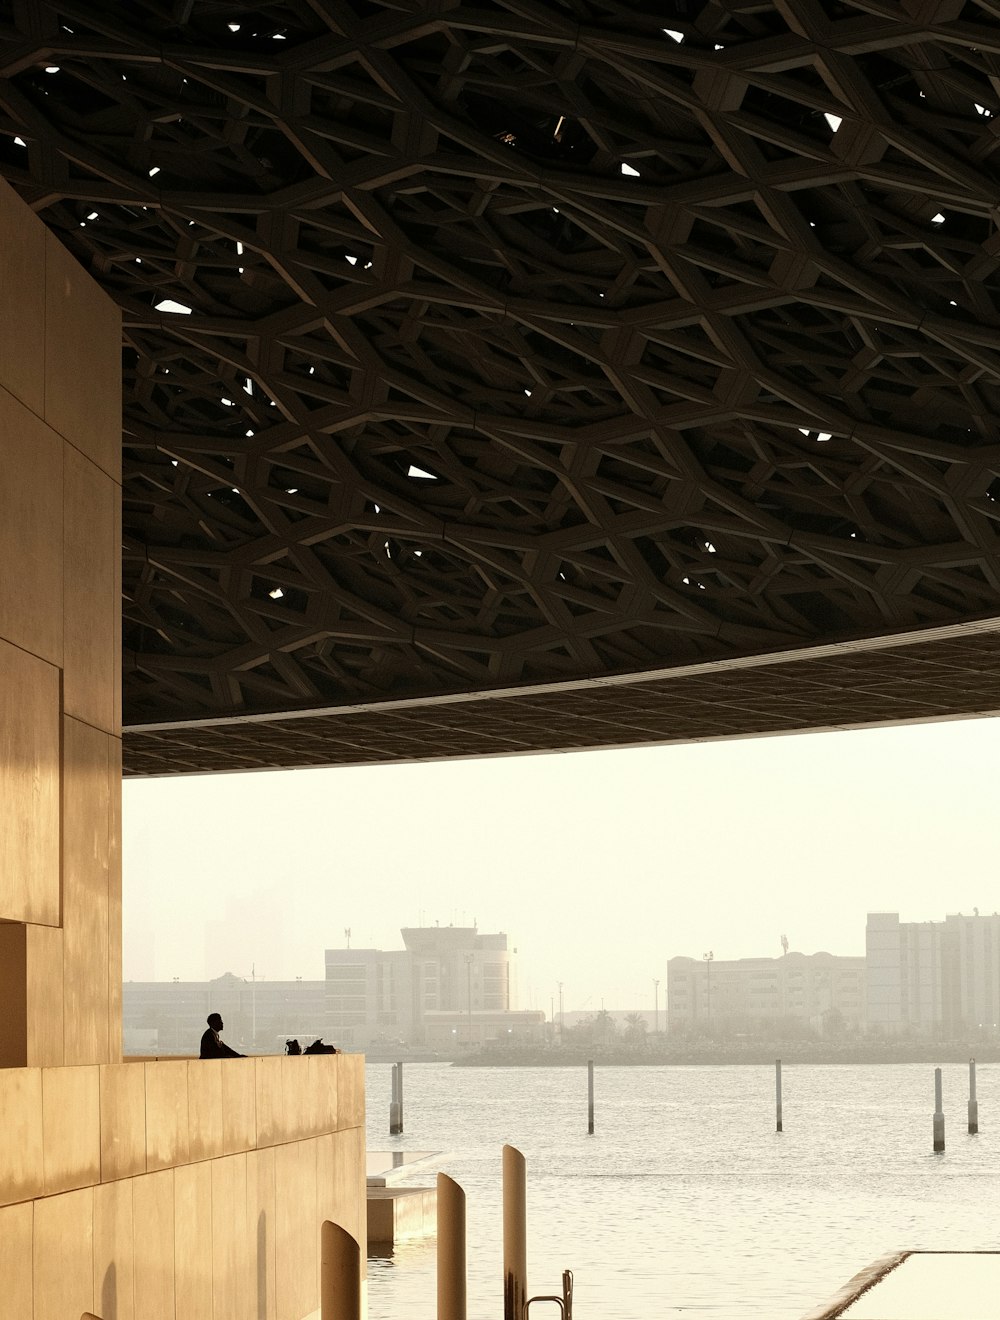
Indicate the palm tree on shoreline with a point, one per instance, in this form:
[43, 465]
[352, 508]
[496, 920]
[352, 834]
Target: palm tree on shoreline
[635, 1029]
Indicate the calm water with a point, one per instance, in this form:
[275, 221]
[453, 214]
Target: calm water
[685, 1201]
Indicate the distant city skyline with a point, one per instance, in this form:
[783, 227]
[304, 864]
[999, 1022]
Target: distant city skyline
[600, 865]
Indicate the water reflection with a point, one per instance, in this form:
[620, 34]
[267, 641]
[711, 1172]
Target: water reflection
[685, 1199]
[384, 1256]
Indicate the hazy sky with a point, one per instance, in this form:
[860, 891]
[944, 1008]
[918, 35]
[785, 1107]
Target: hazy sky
[600, 865]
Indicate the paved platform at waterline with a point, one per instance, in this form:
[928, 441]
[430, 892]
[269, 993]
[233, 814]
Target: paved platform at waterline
[920, 1285]
[395, 1213]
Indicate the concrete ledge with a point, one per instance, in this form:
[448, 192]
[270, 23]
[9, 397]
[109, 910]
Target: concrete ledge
[69, 1128]
[398, 1213]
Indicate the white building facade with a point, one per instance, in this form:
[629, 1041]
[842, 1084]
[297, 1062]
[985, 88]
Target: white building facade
[939, 978]
[821, 990]
[377, 996]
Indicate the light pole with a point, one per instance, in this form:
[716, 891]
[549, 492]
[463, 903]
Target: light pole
[656, 1007]
[708, 986]
[561, 1022]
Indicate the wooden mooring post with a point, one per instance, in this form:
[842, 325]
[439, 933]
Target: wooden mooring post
[451, 1267]
[590, 1097]
[777, 1095]
[515, 1234]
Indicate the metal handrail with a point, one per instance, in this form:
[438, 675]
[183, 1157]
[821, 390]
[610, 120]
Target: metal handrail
[529, 1303]
[564, 1302]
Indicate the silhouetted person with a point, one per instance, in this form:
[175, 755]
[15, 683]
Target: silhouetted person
[211, 1046]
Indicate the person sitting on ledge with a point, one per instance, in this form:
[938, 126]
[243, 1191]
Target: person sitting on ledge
[211, 1046]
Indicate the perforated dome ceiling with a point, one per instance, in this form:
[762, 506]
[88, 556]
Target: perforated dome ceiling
[526, 347]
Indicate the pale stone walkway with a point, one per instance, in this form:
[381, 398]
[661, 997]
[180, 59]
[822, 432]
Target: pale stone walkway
[923, 1285]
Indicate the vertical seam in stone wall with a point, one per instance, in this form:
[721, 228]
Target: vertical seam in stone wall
[109, 920]
[41, 1129]
[173, 1212]
[62, 785]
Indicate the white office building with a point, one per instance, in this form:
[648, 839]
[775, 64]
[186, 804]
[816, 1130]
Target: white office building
[939, 978]
[377, 996]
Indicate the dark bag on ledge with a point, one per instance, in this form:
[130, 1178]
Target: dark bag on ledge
[317, 1047]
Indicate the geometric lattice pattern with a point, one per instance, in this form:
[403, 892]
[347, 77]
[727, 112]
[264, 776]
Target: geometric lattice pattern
[525, 342]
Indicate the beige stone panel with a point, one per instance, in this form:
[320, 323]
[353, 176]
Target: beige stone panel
[114, 1255]
[13, 995]
[308, 1101]
[349, 1183]
[267, 1081]
[22, 278]
[193, 1241]
[350, 1090]
[86, 860]
[297, 1228]
[123, 1120]
[44, 958]
[16, 1231]
[238, 1106]
[231, 1259]
[261, 1232]
[166, 1114]
[83, 360]
[63, 1255]
[294, 1097]
[71, 1128]
[115, 901]
[205, 1108]
[329, 1094]
[21, 1170]
[91, 594]
[315, 1116]
[325, 1090]
[153, 1253]
[326, 1192]
[31, 529]
[29, 787]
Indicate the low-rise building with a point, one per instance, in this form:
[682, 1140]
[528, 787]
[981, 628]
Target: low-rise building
[451, 1030]
[168, 1017]
[368, 997]
[822, 991]
[377, 996]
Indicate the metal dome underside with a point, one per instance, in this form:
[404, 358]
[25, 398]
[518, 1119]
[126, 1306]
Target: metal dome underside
[531, 375]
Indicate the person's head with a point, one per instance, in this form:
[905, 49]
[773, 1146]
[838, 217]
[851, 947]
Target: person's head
[215, 1021]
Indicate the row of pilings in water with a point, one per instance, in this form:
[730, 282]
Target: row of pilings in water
[396, 1103]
